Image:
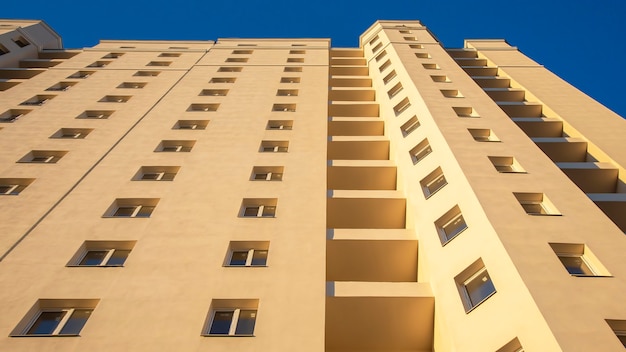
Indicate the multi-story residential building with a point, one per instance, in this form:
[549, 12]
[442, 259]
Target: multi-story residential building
[284, 195]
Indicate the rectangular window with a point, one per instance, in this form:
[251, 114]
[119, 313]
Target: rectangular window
[237, 59]
[284, 107]
[214, 92]
[377, 47]
[451, 93]
[450, 225]
[440, 78]
[259, 207]
[578, 259]
[433, 182]
[222, 80]
[132, 208]
[475, 285]
[506, 164]
[191, 124]
[292, 69]
[178, 146]
[422, 55]
[13, 115]
[536, 204]
[384, 66]
[115, 98]
[159, 63]
[102, 253]
[483, 135]
[295, 59]
[3, 50]
[169, 55]
[274, 146]
[132, 85]
[247, 253]
[395, 90]
[416, 46]
[156, 173]
[100, 63]
[287, 92]
[401, 106]
[267, 173]
[56, 317]
[112, 55]
[21, 42]
[431, 66]
[420, 151]
[231, 317]
[279, 124]
[411, 125]
[38, 100]
[512, 346]
[72, 133]
[43, 156]
[290, 80]
[297, 52]
[14, 186]
[389, 77]
[465, 111]
[96, 114]
[619, 329]
[81, 74]
[147, 73]
[381, 55]
[203, 107]
[242, 52]
[61, 86]
[230, 69]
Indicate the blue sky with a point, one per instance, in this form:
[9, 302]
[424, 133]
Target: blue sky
[579, 40]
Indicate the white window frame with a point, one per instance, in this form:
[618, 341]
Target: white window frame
[105, 260]
[10, 190]
[233, 324]
[136, 210]
[59, 327]
[260, 211]
[249, 258]
[467, 297]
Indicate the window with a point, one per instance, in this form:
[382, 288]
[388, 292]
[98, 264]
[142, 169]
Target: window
[43, 156]
[377, 47]
[100, 63]
[61, 86]
[112, 55]
[483, 135]
[72, 133]
[132, 85]
[381, 55]
[422, 55]
[297, 52]
[222, 80]
[433, 182]
[156, 173]
[102, 253]
[295, 59]
[411, 125]
[451, 93]
[292, 69]
[267, 173]
[395, 90]
[416, 46]
[56, 317]
[237, 59]
[475, 285]
[191, 124]
[259, 208]
[431, 66]
[274, 146]
[410, 38]
[159, 63]
[231, 317]
[214, 92]
[230, 69]
[384, 66]
[465, 112]
[246, 44]
[132, 208]
[373, 40]
[115, 98]
[389, 77]
[13, 115]
[14, 186]
[401, 106]
[290, 80]
[404, 31]
[298, 44]
[21, 42]
[169, 55]
[578, 259]
[147, 73]
[512, 346]
[279, 124]
[38, 100]
[203, 107]
[440, 78]
[242, 52]
[247, 253]
[506, 164]
[619, 328]
[450, 225]
[95, 114]
[81, 74]
[420, 151]
[536, 204]
[171, 146]
[287, 92]
[284, 107]
[3, 50]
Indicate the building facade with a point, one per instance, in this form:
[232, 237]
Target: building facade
[284, 195]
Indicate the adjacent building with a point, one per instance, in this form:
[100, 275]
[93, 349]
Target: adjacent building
[285, 195]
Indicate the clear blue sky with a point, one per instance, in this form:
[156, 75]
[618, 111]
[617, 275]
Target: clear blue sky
[579, 40]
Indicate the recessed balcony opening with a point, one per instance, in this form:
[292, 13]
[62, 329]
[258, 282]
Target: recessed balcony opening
[349, 71]
[563, 149]
[371, 260]
[352, 95]
[523, 109]
[481, 71]
[356, 128]
[353, 110]
[350, 82]
[358, 150]
[540, 127]
[361, 178]
[366, 213]
[592, 177]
